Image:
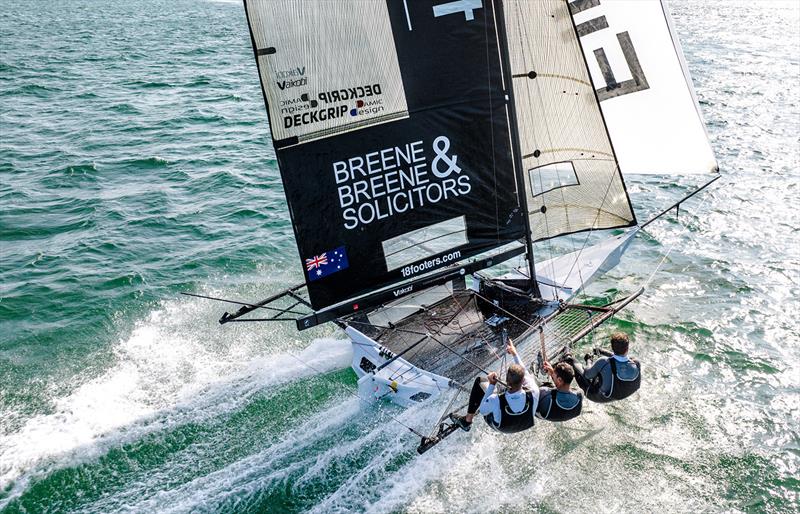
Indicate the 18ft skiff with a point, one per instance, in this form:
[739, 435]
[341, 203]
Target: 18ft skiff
[423, 145]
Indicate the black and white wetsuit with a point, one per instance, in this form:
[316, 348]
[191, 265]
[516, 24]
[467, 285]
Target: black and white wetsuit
[492, 406]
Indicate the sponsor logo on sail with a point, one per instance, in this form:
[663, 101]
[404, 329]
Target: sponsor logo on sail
[286, 84]
[292, 73]
[350, 93]
[397, 179]
[429, 264]
[369, 107]
[361, 100]
[294, 77]
[314, 116]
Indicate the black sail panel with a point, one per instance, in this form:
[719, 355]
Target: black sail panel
[392, 136]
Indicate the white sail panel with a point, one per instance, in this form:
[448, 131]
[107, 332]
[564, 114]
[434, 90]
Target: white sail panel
[571, 176]
[644, 86]
[326, 67]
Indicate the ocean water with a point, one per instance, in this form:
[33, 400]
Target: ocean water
[135, 164]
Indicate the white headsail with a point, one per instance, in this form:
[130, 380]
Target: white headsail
[644, 86]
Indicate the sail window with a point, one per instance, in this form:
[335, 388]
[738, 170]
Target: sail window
[552, 176]
[425, 242]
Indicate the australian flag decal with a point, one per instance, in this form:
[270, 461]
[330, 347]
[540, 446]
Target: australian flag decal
[326, 263]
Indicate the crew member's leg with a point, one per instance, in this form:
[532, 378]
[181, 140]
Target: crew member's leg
[475, 399]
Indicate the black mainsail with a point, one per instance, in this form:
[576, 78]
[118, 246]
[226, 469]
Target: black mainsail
[391, 129]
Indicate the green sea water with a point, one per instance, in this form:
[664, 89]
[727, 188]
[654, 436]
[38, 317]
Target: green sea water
[135, 163]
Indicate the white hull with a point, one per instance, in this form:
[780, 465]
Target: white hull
[400, 381]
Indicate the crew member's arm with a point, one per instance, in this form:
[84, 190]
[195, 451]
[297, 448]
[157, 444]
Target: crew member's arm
[490, 403]
[528, 382]
[548, 368]
[592, 372]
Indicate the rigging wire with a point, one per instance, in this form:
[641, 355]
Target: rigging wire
[677, 239]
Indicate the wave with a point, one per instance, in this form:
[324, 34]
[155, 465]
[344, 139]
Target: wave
[147, 84]
[169, 372]
[148, 162]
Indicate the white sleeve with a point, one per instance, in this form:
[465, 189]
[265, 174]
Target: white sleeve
[490, 403]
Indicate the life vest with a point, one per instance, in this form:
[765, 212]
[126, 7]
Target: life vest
[620, 389]
[510, 421]
[556, 412]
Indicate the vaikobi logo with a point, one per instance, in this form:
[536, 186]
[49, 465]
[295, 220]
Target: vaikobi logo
[403, 290]
[300, 71]
[294, 77]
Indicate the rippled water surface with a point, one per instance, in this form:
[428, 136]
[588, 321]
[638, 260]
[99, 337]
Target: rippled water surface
[135, 164]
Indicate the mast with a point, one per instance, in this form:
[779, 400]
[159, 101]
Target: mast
[515, 141]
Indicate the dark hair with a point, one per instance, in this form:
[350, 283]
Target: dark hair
[565, 372]
[619, 343]
[514, 376]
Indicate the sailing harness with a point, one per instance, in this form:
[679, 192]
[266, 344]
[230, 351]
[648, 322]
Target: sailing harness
[512, 422]
[556, 412]
[620, 388]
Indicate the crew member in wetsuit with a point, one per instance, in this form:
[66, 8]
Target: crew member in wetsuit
[559, 403]
[511, 411]
[613, 377]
